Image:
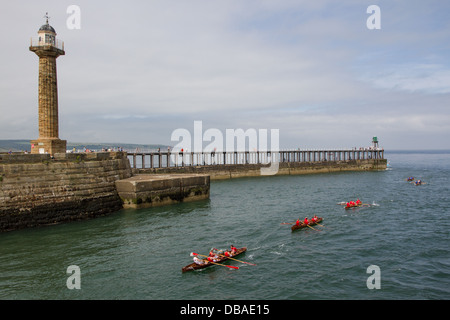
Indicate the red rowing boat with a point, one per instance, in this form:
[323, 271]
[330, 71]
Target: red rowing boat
[302, 225]
[206, 263]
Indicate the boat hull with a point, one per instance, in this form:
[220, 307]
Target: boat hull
[351, 207]
[301, 226]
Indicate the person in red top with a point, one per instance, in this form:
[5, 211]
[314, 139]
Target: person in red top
[212, 257]
[358, 202]
[306, 220]
[314, 219]
[297, 223]
[231, 252]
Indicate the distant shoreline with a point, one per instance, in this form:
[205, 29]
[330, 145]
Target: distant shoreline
[430, 151]
[21, 145]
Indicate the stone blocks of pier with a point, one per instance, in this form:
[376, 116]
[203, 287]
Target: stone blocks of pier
[38, 189]
[229, 171]
[149, 190]
[50, 145]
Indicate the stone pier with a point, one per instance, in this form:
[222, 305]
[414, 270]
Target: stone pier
[40, 189]
[37, 189]
[225, 165]
[150, 190]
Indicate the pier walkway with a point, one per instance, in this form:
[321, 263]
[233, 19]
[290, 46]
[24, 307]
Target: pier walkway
[168, 159]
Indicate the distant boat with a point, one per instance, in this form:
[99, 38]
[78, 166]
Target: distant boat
[302, 225]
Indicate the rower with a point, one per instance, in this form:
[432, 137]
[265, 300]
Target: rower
[212, 257]
[314, 219]
[358, 202]
[297, 223]
[231, 252]
[306, 221]
[198, 261]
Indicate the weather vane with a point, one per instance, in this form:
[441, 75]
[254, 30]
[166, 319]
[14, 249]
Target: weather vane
[46, 16]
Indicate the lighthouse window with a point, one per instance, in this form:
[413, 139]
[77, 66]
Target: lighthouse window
[49, 39]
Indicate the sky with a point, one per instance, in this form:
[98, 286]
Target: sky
[136, 71]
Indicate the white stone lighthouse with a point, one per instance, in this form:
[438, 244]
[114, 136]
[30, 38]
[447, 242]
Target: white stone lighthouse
[48, 48]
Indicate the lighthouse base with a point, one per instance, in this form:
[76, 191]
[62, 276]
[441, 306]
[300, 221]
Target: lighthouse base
[50, 146]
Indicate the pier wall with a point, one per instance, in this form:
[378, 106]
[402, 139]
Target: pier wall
[36, 189]
[143, 191]
[228, 171]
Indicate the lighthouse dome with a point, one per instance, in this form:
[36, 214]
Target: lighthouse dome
[47, 27]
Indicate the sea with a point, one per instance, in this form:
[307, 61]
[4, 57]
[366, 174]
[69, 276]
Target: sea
[395, 247]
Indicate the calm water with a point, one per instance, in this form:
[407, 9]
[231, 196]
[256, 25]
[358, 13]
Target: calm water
[138, 254]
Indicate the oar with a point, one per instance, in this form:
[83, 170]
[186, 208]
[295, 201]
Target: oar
[320, 225]
[232, 258]
[312, 227]
[238, 260]
[291, 223]
[223, 265]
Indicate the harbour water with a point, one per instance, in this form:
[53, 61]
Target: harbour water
[138, 254]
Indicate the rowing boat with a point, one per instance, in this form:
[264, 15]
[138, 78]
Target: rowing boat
[302, 225]
[354, 206]
[206, 263]
[344, 203]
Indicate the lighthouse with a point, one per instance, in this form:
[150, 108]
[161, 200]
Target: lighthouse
[48, 48]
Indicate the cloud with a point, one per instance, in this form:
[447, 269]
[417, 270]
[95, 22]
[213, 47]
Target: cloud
[426, 78]
[136, 71]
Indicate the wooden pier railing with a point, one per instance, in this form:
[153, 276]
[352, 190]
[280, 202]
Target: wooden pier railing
[165, 159]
